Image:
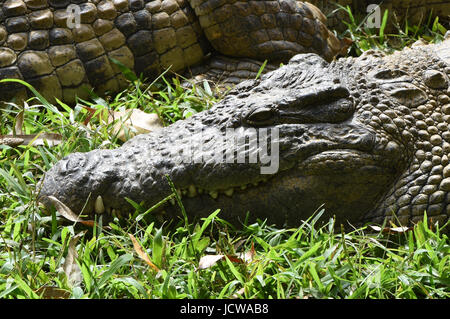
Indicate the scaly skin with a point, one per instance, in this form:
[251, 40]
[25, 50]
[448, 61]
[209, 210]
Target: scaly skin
[38, 44]
[367, 137]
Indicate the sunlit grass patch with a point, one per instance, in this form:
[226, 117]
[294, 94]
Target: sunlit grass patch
[367, 38]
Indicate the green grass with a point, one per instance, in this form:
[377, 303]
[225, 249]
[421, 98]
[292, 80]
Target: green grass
[365, 38]
[43, 254]
[287, 263]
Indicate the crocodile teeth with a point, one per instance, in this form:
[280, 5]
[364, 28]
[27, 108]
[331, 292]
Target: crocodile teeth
[213, 194]
[229, 192]
[192, 191]
[98, 206]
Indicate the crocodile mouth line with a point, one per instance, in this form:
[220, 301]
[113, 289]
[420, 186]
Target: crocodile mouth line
[342, 160]
[192, 191]
[344, 154]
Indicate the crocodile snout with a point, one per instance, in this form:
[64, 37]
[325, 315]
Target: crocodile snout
[78, 179]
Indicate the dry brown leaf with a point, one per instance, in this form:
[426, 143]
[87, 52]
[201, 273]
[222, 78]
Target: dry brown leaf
[138, 249]
[128, 123]
[67, 213]
[47, 292]
[209, 261]
[234, 259]
[133, 122]
[238, 293]
[35, 139]
[91, 112]
[391, 230]
[375, 228]
[70, 267]
[249, 255]
[19, 123]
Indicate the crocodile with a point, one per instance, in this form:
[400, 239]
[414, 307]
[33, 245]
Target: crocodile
[43, 43]
[366, 137]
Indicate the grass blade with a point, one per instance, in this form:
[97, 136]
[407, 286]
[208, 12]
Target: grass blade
[114, 267]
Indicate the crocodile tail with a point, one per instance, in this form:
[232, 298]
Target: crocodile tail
[266, 30]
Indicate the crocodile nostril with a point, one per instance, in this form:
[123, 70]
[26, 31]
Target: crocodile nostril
[367, 143]
[72, 163]
[336, 92]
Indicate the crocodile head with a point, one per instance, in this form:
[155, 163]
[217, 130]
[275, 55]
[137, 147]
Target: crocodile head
[340, 134]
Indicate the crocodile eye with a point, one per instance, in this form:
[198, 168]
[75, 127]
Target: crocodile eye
[261, 116]
[394, 75]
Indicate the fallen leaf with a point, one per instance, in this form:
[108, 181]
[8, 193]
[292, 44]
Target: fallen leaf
[70, 267]
[47, 292]
[249, 255]
[67, 213]
[375, 228]
[52, 139]
[138, 249]
[19, 123]
[91, 112]
[127, 124]
[209, 261]
[132, 122]
[392, 230]
[238, 293]
[234, 259]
